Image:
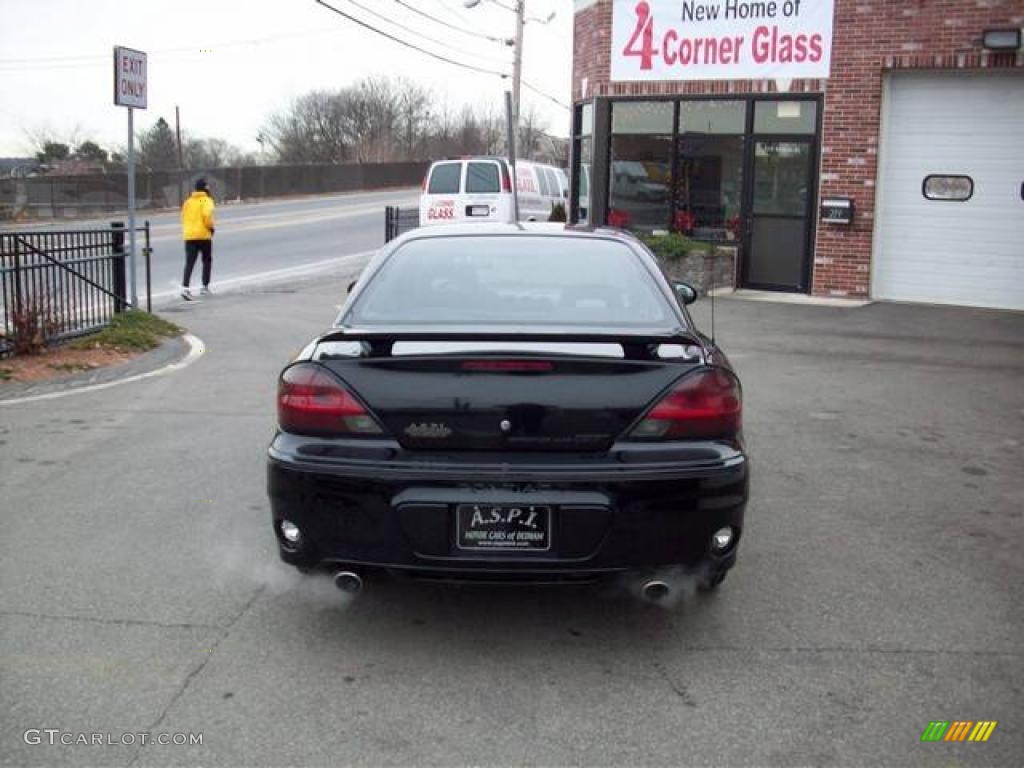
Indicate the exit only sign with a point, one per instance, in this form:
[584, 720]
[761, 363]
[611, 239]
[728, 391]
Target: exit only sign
[130, 87]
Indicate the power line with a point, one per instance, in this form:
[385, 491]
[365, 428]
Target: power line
[391, 21]
[502, 5]
[448, 24]
[407, 44]
[106, 56]
[547, 96]
[454, 11]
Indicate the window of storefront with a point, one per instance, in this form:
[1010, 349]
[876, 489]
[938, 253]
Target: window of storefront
[785, 117]
[709, 192]
[640, 175]
[582, 151]
[731, 169]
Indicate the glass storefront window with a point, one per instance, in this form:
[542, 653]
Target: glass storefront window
[709, 193]
[713, 117]
[587, 120]
[639, 182]
[785, 117]
[642, 117]
[582, 185]
[781, 177]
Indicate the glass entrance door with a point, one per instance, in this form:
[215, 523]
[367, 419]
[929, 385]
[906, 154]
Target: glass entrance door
[779, 215]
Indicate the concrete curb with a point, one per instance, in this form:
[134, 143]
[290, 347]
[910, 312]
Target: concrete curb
[173, 355]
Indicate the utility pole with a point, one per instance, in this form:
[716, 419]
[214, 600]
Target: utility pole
[517, 62]
[517, 43]
[181, 165]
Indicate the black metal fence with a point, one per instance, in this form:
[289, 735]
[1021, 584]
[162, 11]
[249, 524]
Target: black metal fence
[398, 220]
[56, 284]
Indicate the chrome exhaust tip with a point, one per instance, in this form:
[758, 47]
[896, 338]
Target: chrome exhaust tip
[348, 582]
[655, 590]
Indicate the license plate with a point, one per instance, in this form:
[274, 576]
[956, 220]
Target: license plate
[503, 526]
[478, 210]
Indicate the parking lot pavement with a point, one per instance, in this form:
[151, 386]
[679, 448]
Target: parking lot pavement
[877, 588]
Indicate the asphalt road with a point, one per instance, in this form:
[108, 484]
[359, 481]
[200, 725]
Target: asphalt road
[255, 239]
[878, 586]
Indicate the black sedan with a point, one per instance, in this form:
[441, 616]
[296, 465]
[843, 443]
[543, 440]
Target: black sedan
[511, 403]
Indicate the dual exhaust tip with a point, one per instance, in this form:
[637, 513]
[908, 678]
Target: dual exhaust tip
[655, 590]
[348, 582]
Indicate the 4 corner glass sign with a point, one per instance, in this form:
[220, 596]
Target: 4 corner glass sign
[721, 39]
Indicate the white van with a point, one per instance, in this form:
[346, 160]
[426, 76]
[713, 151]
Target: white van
[480, 189]
[540, 187]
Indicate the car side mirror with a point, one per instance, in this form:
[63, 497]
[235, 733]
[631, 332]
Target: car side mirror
[686, 292]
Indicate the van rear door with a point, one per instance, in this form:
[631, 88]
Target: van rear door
[439, 202]
[486, 197]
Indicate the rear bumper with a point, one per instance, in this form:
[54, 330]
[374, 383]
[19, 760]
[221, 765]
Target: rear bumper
[369, 504]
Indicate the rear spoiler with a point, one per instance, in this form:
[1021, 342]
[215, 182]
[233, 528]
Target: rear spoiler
[634, 345]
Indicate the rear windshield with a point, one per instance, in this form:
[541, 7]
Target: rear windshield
[482, 177]
[513, 280]
[444, 179]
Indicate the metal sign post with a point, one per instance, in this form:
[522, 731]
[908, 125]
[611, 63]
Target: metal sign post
[510, 128]
[131, 90]
[131, 208]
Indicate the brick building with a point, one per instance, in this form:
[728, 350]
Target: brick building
[767, 124]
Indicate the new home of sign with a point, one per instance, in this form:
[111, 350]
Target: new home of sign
[721, 39]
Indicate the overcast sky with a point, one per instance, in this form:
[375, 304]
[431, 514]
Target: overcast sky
[228, 64]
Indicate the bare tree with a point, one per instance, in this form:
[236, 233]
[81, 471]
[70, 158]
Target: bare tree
[214, 153]
[528, 136]
[380, 119]
[310, 130]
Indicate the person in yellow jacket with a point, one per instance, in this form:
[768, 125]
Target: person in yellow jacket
[197, 231]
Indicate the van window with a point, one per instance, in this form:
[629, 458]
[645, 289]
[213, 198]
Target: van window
[542, 179]
[482, 177]
[552, 177]
[444, 179]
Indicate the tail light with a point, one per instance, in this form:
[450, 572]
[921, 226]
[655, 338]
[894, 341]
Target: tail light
[310, 401]
[423, 184]
[707, 404]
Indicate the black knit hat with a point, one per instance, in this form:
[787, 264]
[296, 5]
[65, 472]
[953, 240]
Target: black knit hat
[201, 185]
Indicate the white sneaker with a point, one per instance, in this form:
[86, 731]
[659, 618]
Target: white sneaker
[186, 294]
[205, 291]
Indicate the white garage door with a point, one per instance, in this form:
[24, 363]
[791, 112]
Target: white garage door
[946, 251]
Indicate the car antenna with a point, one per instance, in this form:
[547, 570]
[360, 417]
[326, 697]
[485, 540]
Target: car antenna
[711, 288]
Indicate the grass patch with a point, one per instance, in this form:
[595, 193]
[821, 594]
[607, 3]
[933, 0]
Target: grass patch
[132, 330]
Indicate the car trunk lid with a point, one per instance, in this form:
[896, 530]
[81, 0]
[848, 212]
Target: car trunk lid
[534, 396]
